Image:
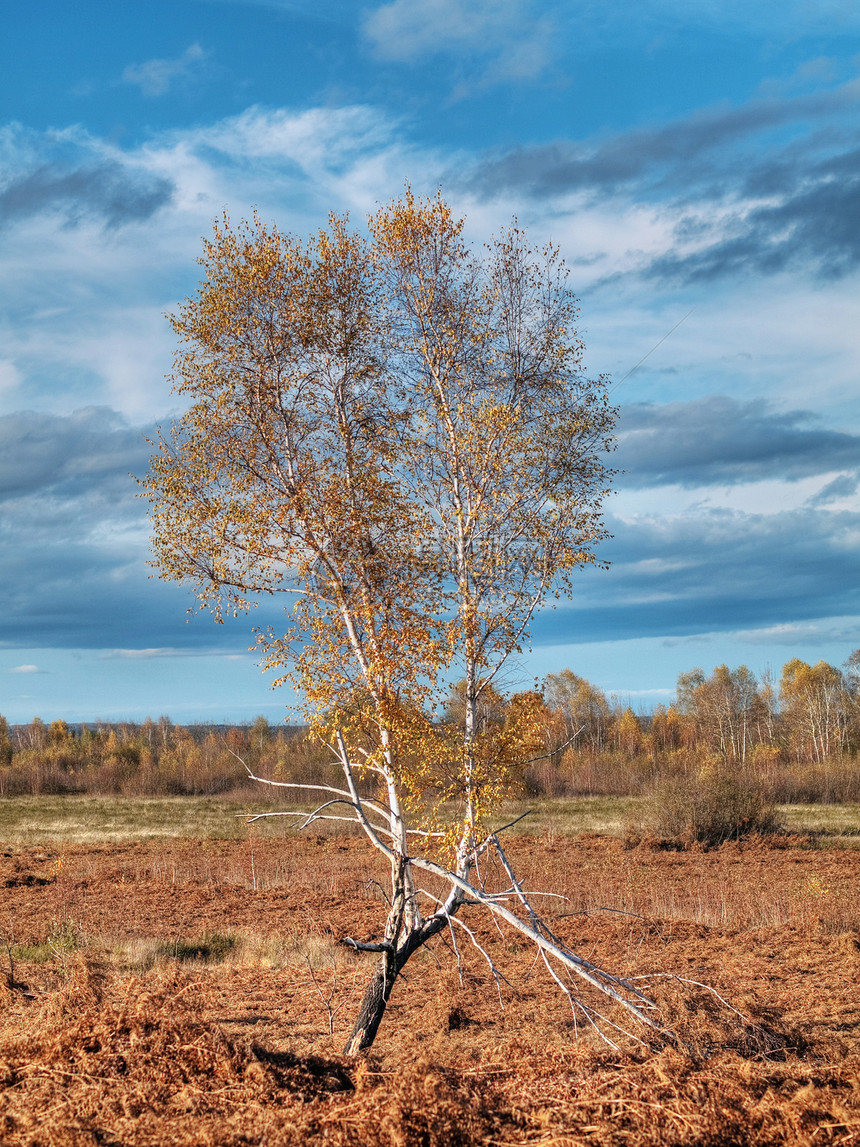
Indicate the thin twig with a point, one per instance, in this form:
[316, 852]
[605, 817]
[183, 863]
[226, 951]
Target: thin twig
[511, 823]
[497, 975]
[558, 749]
[332, 1012]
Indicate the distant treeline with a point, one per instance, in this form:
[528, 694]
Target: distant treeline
[798, 737]
[155, 758]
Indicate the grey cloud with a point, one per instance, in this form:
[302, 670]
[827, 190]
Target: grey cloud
[75, 593]
[712, 170]
[73, 542]
[842, 487]
[714, 571]
[106, 190]
[65, 455]
[816, 223]
[718, 439]
[79, 589]
[638, 156]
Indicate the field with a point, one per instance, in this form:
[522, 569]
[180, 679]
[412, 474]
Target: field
[169, 984]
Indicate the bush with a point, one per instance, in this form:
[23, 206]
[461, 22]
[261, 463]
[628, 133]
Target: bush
[712, 807]
[835, 780]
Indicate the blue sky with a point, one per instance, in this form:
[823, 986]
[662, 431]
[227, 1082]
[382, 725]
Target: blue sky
[698, 163]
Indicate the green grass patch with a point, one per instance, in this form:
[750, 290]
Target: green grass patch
[103, 820]
[210, 948]
[834, 822]
[62, 940]
[58, 820]
[571, 816]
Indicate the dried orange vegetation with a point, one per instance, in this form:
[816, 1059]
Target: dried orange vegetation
[99, 1045]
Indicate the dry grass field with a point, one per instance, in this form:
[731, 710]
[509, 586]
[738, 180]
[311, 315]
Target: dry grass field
[187, 991]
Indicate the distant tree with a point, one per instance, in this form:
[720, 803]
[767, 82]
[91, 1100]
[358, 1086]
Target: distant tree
[726, 707]
[5, 742]
[259, 733]
[165, 729]
[60, 733]
[489, 711]
[851, 677]
[582, 708]
[815, 705]
[685, 691]
[34, 735]
[398, 434]
[628, 733]
[666, 728]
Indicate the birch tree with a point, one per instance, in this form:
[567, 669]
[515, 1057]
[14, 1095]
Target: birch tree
[727, 707]
[397, 434]
[815, 706]
[581, 708]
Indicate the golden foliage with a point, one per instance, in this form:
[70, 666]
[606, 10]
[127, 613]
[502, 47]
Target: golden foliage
[397, 433]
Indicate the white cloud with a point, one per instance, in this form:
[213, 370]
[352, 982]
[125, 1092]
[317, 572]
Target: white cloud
[320, 139]
[10, 376]
[160, 652]
[83, 320]
[155, 77]
[509, 33]
[25, 669]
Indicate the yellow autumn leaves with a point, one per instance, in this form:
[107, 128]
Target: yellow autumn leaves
[398, 434]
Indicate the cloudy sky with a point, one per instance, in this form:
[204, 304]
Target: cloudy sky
[698, 163]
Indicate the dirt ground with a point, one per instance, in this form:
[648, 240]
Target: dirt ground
[194, 992]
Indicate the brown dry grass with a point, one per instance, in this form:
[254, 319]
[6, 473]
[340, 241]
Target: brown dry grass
[105, 1041]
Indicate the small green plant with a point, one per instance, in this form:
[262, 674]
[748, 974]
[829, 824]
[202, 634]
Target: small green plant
[210, 948]
[63, 939]
[711, 808]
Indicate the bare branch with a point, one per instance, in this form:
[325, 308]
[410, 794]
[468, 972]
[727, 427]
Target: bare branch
[362, 816]
[283, 784]
[695, 984]
[593, 975]
[361, 946]
[540, 926]
[497, 975]
[375, 884]
[309, 818]
[558, 749]
[587, 1013]
[332, 1012]
[511, 823]
[456, 949]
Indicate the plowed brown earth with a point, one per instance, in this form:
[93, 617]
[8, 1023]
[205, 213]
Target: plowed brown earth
[104, 1040]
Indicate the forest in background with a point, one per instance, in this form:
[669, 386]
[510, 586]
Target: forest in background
[794, 740]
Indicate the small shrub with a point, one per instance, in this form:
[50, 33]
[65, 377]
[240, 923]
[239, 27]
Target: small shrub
[62, 940]
[211, 947]
[712, 808]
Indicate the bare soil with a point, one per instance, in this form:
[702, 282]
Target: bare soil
[113, 1033]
